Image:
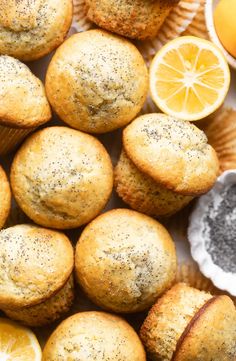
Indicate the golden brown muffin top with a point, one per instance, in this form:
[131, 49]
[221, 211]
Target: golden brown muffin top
[90, 336]
[97, 81]
[23, 100]
[61, 178]
[5, 197]
[31, 29]
[124, 260]
[173, 152]
[35, 263]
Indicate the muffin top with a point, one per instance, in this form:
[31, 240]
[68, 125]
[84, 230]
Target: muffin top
[90, 336]
[31, 29]
[61, 178]
[35, 263]
[173, 152]
[97, 82]
[124, 260]
[23, 100]
[5, 197]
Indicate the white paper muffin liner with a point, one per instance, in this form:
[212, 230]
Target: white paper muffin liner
[225, 281]
[198, 25]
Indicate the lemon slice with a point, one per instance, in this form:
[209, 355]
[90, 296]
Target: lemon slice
[189, 78]
[18, 343]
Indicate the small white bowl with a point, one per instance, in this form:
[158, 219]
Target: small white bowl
[225, 281]
[209, 11]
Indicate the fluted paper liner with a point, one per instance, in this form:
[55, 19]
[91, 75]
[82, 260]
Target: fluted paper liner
[11, 137]
[220, 129]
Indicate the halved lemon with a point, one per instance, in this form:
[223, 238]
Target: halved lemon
[18, 343]
[189, 78]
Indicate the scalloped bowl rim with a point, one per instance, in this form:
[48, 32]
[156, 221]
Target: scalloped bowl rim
[221, 279]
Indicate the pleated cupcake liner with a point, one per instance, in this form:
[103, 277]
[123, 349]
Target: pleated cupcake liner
[10, 138]
[198, 25]
[220, 129]
[190, 274]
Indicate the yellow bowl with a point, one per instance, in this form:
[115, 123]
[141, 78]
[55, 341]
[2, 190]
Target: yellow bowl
[210, 6]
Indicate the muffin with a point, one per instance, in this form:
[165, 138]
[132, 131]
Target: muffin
[135, 19]
[165, 162]
[97, 82]
[32, 29]
[124, 260]
[61, 178]
[5, 197]
[36, 285]
[187, 324]
[89, 336]
[23, 105]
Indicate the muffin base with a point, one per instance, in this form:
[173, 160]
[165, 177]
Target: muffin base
[143, 194]
[10, 138]
[48, 311]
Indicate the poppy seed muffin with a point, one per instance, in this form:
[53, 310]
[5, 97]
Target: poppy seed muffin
[32, 29]
[124, 260]
[23, 105]
[97, 82]
[89, 336]
[165, 163]
[48, 311]
[61, 178]
[5, 197]
[188, 324]
[36, 264]
[137, 19]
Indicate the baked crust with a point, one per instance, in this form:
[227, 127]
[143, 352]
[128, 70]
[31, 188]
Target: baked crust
[142, 193]
[35, 264]
[32, 29]
[48, 311]
[168, 319]
[97, 82]
[212, 335]
[173, 152]
[89, 336]
[5, 197]
[61, 178]
[135, 19]
[124, 260]
[23, 100]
